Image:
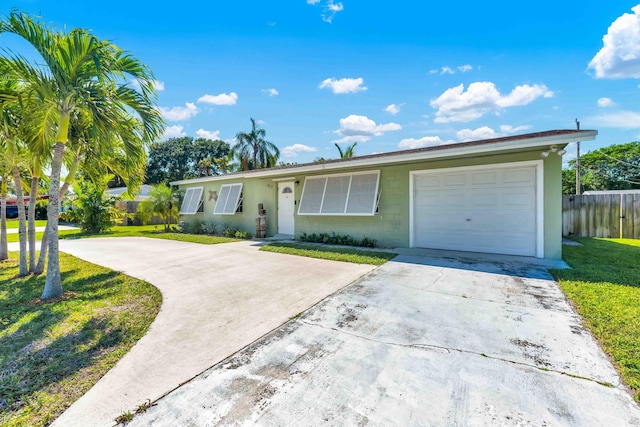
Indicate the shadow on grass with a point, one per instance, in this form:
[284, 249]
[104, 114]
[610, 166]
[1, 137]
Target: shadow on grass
[602, 261]
[42, 343]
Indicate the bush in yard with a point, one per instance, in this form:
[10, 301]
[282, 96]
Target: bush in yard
[193, 226]
[93, 208]
[210, 227]
[338, 239]
[242, 235]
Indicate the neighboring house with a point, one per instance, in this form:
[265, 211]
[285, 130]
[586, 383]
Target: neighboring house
[120, 191]
[609, 192]
[497, 196]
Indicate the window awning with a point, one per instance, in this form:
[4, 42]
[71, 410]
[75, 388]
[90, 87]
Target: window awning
[229, 199]
[192, 200]
[341, 194]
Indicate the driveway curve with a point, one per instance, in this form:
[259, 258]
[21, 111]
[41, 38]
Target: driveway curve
[217, 299]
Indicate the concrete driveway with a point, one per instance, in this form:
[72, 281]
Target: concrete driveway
[217, 299]
[420, 341]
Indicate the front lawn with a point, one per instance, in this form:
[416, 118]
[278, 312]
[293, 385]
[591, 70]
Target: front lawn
[333, 253]
[604, 286]
[52, 353]
[154, 231]
[14, 223]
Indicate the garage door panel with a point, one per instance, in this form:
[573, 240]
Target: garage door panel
[484, 178]
[480, 210]
[519, 176]
[454, 180]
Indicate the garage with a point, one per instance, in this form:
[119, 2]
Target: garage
[493, 209]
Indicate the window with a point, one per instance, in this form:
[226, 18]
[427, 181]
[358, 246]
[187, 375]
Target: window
[287, 190]
[192, 201]
[229, 199]
[344, 194]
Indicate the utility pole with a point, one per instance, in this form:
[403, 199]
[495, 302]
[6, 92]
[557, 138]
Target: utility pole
[578, 163]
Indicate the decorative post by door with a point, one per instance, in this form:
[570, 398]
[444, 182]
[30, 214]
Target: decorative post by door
[261, 222]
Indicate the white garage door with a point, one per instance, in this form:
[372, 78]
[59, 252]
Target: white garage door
[491, 209]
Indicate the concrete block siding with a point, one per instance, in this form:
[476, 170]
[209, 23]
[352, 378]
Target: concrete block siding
[390, 226]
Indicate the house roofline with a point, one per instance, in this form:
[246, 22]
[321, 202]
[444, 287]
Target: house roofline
[538, 139]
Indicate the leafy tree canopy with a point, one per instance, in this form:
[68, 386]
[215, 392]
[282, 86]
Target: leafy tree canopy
[616, 167]
[184, 158]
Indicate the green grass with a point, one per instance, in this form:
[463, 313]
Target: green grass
[52, 353]
[13, 223]
[604, 286]
[357, 256]
[154, 231]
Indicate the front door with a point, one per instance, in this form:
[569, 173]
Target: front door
[286, 206]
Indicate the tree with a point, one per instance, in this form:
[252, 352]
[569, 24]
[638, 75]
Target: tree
[76, 72]
[253, 150]
[616, 167]
[179, 158]
[95, 210]
[348, 152]
[160, 203]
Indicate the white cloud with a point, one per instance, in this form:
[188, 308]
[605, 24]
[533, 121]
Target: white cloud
[174, 132]
[393, 109]
[271, 92]
[157, 85]
[329, 9]
[425, 141]
[343, 85]
[222, 99]
[293, 150]
[485, 132]
[179, 114]
[621, 119]
[434, 71]
[620, 54]
[352, 138]
[465, 68]
[446, 70]
[507, 129]
[208, 134]
[605, 102]
[355, 128]
[457, 105]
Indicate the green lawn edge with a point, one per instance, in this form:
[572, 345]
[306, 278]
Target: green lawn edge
[603, 285]
[152, 231]
[357, 256]
[51, 353]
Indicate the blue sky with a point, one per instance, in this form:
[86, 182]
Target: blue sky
[388, 75]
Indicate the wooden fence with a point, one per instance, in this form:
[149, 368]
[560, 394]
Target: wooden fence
[611, 215]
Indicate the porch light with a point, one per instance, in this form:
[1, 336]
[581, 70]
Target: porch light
[554, 149]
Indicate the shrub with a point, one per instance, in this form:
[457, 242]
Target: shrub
[193, 226]
[210, 227]
[93, 208]
[338, 239]
[242, 235]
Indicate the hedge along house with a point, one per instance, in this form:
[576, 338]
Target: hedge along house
[501, 195]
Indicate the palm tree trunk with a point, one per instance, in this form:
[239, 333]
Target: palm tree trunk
[45, 236]
[22, 222]
[33, 195]
[4, 248]
[53, 282]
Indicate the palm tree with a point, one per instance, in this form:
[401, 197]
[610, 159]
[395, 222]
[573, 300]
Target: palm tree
[4, 176]
[253, 145]
[13, 152]
[348, 152]
[160, 203]
[80, 73]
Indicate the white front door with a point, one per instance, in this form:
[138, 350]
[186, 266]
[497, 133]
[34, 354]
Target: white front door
[286, 206]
